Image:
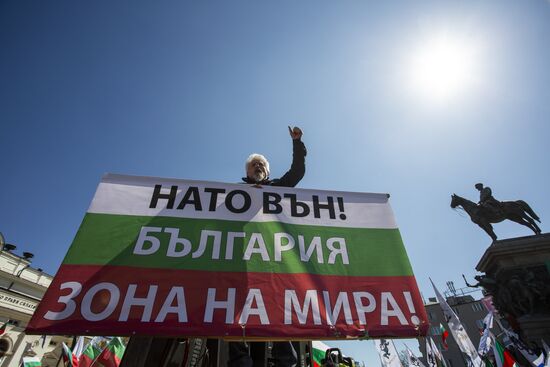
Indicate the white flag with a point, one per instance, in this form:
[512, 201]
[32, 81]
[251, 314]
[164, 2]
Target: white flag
[430, 355]
[412, 359]
[485, 341]
[387, 352]
[79, 347]
[458, 331]
[439, 357]
[433, 355]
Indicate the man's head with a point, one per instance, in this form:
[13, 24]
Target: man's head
[257, 167]
[479, 186]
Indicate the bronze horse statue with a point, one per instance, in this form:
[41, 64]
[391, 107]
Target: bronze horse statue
[517, 211]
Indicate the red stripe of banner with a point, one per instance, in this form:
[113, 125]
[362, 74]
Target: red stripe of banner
[390, 294]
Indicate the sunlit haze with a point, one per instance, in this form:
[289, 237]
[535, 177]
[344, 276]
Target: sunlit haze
[443, 67]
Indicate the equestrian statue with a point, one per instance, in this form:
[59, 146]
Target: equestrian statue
[489, 210]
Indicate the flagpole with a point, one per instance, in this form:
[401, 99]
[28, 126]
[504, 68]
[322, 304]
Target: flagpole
[60, 356]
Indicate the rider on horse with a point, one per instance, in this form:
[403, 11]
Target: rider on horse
[487, 201]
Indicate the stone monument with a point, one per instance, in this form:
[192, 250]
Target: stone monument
[517, 275]
[517, 270]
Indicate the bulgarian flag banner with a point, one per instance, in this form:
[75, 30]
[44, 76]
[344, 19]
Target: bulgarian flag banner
[319, 349]
[89, 355]
[3, 327]
[31, 362]
[68, 357]
[168, 257]
[444, 335]
[503, 357]
[111, 355]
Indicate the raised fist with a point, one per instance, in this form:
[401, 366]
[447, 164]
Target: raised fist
[295, 133]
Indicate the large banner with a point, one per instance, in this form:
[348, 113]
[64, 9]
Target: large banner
[171, 257]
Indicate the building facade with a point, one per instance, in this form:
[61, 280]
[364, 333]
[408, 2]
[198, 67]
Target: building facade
[471, 313]
[21, 289]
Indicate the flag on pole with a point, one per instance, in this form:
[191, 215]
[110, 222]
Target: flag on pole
[111, 355]
[444, 335]
[89, 354]
[485, 341]
[430, 355]
[79, 347]
[412, 359]
[68, 357]
[319, 349]
[503, 356]
[43, 341]
[439, 357]
[515, 341]
[433, 357]
[387, 352]
[458, 331]
[4, 327]
[31, 362]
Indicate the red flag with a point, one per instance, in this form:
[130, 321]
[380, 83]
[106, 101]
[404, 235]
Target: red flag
[111, 355]
[444, 335]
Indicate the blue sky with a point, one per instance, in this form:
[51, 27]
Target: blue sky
[189, 89]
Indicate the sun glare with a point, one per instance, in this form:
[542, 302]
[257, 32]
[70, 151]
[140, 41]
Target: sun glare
[442, 68]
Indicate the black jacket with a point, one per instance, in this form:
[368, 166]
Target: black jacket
[294, 174]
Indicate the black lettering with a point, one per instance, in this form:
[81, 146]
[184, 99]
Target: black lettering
[171, 197]
[295, 204]
[229, 201]
[196, 201]
[328, 206]
[213, 197]
[272, 199]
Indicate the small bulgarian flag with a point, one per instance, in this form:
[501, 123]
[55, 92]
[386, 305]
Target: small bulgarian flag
[31, 362]
[89, 354]
[3, 327]
[319, 349]
[444, 335]
[111, 355]
[503, 356]
[68, 357]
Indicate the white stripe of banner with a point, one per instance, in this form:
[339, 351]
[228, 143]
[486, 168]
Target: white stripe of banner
[131, 195]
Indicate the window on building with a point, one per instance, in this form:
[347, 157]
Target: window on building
[477, 306]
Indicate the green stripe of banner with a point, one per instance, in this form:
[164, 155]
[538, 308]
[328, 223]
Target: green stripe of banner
[106, 239]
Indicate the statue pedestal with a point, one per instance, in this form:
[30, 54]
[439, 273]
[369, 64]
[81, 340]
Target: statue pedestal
[521, 268]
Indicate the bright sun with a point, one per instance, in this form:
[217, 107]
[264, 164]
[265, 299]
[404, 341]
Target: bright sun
[442, 68]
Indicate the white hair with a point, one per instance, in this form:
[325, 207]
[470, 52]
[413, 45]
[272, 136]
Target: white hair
[257, 157]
